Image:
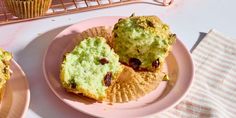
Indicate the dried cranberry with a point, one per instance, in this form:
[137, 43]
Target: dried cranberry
[103, 61]
[73, 85]
[155, 63]
[134, 63]
[107, 79]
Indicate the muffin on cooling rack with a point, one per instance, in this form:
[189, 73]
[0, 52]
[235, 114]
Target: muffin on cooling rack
[142, 42]
[90, 68]
[28, 8]
[5, 58]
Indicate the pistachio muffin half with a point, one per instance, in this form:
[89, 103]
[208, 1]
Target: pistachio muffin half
[142, 42]
[5, 71]
[90, 68]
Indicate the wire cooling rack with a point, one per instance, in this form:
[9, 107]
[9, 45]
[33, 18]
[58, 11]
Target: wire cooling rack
[63, 7]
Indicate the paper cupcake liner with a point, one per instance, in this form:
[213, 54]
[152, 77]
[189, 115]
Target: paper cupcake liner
[132, 85]
[28, 8]
[101, 31]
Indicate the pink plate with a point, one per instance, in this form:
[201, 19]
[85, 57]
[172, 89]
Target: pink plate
[17, 95]
[179, 65]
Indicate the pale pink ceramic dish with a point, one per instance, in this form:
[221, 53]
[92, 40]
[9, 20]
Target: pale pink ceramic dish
[179, 65]
[17, 95]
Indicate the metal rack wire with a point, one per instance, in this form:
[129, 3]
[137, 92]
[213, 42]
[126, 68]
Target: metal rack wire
[63, 7]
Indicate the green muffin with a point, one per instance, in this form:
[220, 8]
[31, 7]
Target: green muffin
[90, 68]
[142, 42]
[5, 72]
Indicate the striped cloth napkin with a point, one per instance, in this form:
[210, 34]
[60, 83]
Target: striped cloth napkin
[213, 93]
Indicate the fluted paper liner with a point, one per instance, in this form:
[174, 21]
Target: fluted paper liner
[130, 85]
[101, 31]
[28, 8]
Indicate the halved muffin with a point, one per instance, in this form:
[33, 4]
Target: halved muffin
[5, 71]
[90, 68]
[142, 42]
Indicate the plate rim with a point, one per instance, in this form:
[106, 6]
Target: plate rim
[27, 91]
[97, 115]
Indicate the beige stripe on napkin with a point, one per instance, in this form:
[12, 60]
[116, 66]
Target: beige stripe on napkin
[213, 93]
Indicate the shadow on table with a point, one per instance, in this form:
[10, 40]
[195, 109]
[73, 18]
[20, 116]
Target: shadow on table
[43, 102]
[200, 37]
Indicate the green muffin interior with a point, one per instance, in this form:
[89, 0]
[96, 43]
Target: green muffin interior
[144, 38]
[85, 68]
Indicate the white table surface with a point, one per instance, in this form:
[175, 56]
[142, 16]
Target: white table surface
[29, 40]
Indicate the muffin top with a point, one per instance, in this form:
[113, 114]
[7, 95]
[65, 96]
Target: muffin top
[5, 58]
[90, 68]
[142, 42]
